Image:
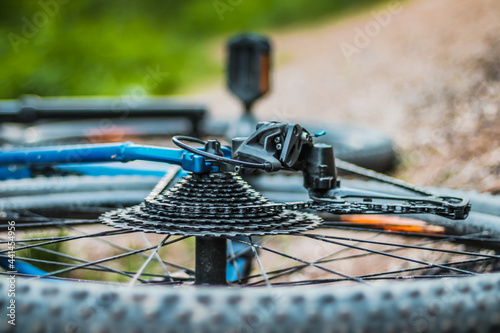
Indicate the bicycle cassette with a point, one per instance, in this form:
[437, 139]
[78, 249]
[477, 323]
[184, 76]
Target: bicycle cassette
[215, 204]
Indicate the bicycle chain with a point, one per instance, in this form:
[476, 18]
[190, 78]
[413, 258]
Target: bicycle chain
[223, 204]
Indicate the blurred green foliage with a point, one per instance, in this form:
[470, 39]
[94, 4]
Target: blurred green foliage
[99, 47]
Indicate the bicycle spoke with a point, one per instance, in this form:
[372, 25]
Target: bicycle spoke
[356, 256]
[113, 257]
[390, 255]
[113, 232]
[40, 239]
[51, 223]
[57, 239]
[302, 261]
[64, 224]
[239, 254]
[124, 248]
[425, 267]
[291, 269]
[51, 262]
[377, 276]
[67, 256]
[404, 245]
[72, 280]
[157, 257]
[296, 268]
[146, 263]
[262, 270]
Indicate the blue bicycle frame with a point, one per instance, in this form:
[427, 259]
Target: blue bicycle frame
[114, 152]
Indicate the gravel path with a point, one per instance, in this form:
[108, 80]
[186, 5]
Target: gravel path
[430, 78]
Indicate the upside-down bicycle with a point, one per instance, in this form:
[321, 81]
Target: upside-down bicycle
[261, 235]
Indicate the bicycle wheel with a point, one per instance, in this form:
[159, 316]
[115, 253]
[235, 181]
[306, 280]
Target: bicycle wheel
[326, 279]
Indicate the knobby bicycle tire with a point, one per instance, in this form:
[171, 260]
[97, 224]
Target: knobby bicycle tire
[449, 305]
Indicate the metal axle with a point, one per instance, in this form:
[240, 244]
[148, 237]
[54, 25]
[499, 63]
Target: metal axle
[211, 257]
